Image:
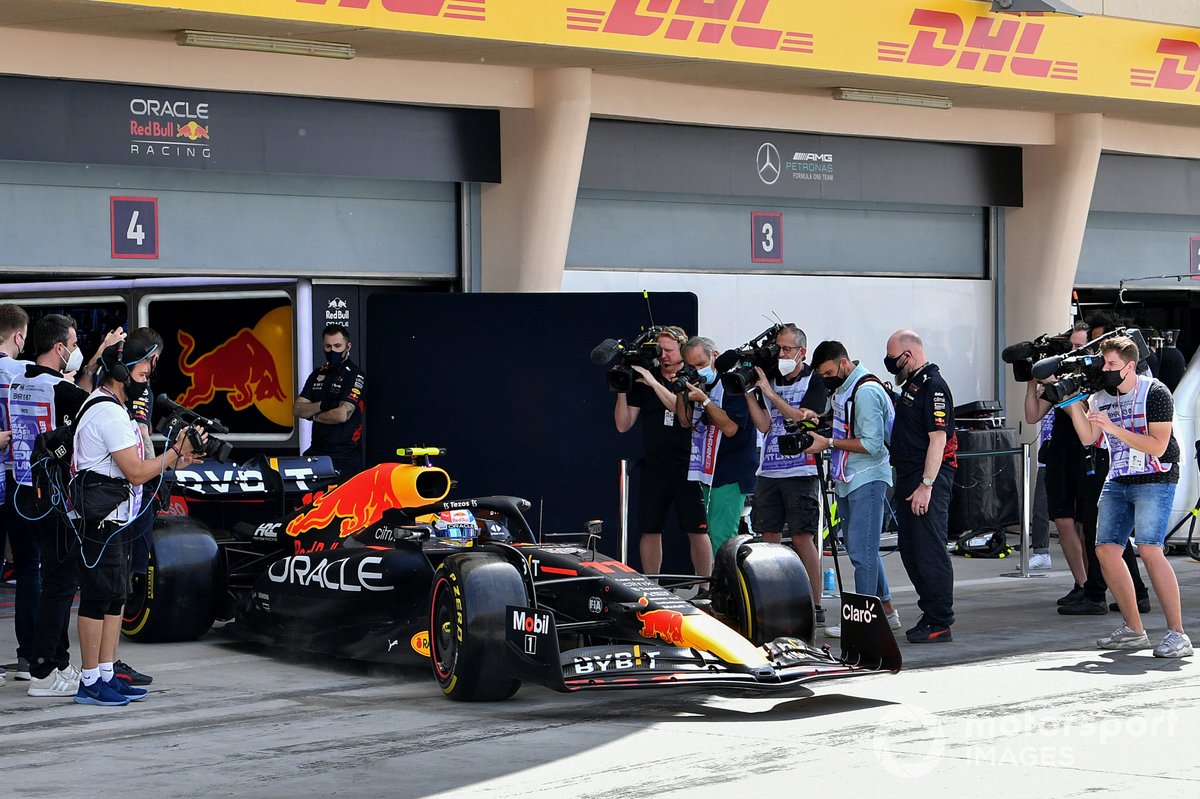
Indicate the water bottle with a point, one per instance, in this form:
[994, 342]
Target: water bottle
[830, 581]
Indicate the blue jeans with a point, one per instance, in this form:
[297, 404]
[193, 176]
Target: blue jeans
[1146, 507]
[862, 510]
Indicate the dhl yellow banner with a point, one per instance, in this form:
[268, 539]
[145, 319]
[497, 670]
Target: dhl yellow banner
[951, 41]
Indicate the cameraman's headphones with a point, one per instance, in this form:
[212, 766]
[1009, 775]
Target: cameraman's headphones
[113, 365]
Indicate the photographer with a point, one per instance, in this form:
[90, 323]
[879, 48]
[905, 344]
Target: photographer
[862, 422]
[788, 491]
[109, 461]
[664, 473]
[1068, 499]
[924, 449]
[1133, 416]
[722, 458]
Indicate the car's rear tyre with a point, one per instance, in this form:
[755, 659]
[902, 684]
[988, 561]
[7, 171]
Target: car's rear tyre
[466, 630]
[763, 590]
[176, 600]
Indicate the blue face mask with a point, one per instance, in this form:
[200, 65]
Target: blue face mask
[335, 358]
[708, 373]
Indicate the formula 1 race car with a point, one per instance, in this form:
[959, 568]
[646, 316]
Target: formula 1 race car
[382, 567]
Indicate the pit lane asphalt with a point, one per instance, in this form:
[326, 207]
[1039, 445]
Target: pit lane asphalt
[1019, 703]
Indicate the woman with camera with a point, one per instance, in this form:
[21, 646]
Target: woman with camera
[110, 460]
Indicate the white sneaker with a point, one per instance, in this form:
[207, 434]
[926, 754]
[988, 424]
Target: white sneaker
[833, 632]
[1040, 560]
[893, 619]
[1174, 645]
[72, 672]
[55, 684]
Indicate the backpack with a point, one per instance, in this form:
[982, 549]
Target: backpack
[887, 427]
[989, 544]
[50, 461]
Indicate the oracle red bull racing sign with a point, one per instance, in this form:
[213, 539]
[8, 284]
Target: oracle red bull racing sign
[165, 129]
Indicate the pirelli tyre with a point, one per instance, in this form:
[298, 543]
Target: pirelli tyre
[176, 600]
[466, 630]
[762, 590]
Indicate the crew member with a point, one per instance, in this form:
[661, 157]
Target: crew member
[666, 444]
[46, 400]
[334, 398]
[862, 421]
[723, 440]
[109, 460]
[788, 492]
[1134, 417]
[924, 449]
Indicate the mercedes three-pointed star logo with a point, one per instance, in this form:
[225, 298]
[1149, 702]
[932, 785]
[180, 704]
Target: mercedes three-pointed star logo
[768, 163]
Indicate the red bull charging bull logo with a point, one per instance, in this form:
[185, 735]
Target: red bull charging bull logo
[245, 368]
[361, 501]
[192, 131]
[664, 624]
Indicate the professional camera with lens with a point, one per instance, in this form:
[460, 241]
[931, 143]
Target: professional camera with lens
[799, 435]
[1080, 373]
[686, 376]
[181, 418]
[643, 351]
[1023, 354]
[738, 365]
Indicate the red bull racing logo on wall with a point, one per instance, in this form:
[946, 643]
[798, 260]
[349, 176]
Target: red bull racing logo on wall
[447, 9]
[1178, 71]
[739, 22]
[984, 43]
[164, 129]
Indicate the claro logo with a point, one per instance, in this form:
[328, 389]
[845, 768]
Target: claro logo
[1178, 71]
[984, 44]
[177, 109]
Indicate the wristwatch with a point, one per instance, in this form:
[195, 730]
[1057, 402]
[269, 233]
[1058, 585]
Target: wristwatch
[706, 403]
[927, 482]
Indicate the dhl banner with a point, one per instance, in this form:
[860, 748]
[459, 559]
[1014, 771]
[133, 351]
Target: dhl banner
[951, 41]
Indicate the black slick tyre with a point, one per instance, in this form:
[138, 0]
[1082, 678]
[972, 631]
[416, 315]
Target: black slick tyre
[176, 600]
[763, 590]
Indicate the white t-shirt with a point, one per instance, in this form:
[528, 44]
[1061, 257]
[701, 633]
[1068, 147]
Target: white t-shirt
[106, 428]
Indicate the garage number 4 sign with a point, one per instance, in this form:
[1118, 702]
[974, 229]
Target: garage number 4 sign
[134, 227]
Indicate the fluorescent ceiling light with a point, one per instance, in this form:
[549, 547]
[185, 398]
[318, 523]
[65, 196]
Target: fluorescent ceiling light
[263, 44]
[1022, 6]
[892, 98]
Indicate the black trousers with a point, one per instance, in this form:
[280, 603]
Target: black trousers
[1096, 589]
[60, 581]
[922, 543]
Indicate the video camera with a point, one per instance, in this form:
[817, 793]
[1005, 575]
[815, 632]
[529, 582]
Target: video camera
[181, 418]
[799, 435]
[737, 366]
[1023, 354]
[643, 351]
[1080, 373]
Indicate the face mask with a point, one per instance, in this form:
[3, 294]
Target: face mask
[708, 373]
[1112, 379]
[74, 361]
[892, 364]
[334, 358]
[134, 390]
[833, 383]
[787, 366]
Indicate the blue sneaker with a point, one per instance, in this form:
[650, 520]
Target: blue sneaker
[99, 693]
[126, 690]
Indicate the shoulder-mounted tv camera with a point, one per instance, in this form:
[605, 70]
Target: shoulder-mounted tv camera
[1080, 373]
[1023, 354]
[737, 366]
[643, 351]
[180, 418]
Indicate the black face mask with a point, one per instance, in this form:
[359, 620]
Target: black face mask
[1112, 379]
[892, 364]
[135, 390]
